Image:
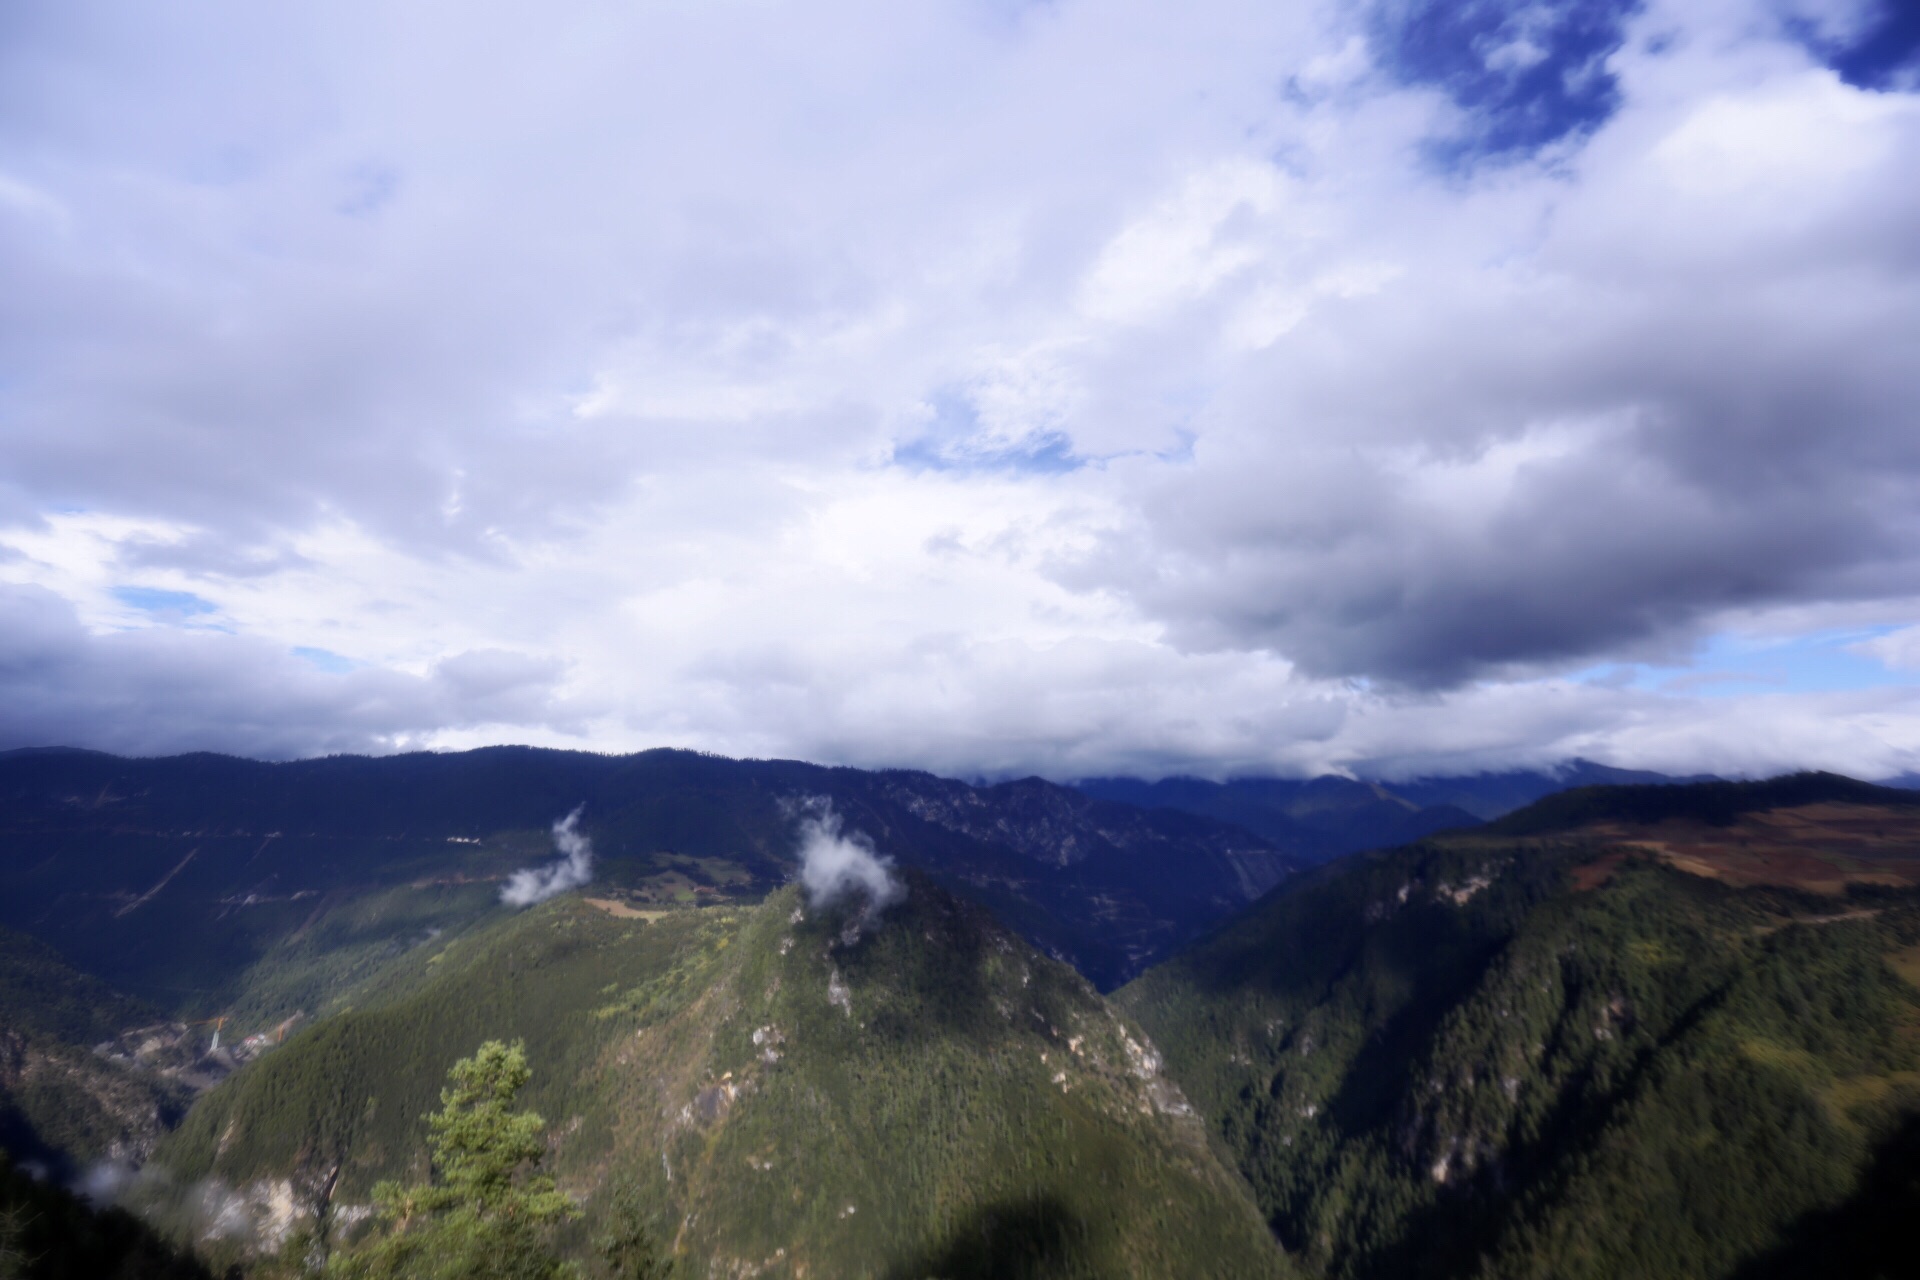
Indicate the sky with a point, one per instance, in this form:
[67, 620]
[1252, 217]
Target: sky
[985, 386]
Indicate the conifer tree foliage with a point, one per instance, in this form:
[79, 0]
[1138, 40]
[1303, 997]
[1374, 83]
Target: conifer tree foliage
[489, 1209]
[628, 1247]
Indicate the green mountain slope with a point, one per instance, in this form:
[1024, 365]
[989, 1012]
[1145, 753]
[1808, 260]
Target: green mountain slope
[797, 1095]
[1556, 1055]
[44, 995]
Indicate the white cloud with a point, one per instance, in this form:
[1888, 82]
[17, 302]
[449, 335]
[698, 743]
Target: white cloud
[1185, 247]
[836, 864]
[551, 369]
[574, 867]
[1899, 649]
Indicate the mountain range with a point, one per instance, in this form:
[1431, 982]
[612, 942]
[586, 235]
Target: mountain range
[1315, 819]
[172, 876]
[1646, 1027]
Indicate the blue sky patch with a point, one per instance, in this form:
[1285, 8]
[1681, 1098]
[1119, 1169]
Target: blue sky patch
[1883, 52]
[1527, 75]
[325, 659]
[953, 442]
[1729, 665]
[1050, 454]
[170, 605]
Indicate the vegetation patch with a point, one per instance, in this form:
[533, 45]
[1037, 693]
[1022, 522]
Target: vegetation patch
[1643, 1072]
[801, 1093]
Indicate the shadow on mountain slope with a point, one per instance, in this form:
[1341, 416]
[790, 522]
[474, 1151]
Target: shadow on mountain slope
[1032, 1238]
[1869, 1235]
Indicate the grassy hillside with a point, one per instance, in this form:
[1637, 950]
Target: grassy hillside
[797, 1096]
[1557, 1057]
[1711, 803]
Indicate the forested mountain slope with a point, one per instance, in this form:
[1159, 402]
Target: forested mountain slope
[205, 883]
[62, 1104]
[1565, 1046]
[796, 1092]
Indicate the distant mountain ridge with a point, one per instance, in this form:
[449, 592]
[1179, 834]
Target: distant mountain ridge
[171, 875]
[1327, 816]
[1714, 803]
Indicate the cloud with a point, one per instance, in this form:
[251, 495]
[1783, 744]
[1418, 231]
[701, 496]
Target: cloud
[1079, 389]
[160, 690]
[835, 866]
[1686, 396]
[532, 885]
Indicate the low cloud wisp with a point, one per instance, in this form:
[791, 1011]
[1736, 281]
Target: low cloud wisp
[531, 885]
[836, 864]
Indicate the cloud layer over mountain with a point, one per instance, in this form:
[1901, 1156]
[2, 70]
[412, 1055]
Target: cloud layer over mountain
[986, 385]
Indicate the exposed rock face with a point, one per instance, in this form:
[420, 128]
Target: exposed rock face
[63, 1103]
[262, 1214]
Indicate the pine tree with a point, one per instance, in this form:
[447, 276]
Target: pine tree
[628, 1248]
[488, 1211]
[13, 1231]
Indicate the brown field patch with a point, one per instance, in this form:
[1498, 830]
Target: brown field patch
[1906, 963]
[1592, 875]
[1817, 848]
[621, 911]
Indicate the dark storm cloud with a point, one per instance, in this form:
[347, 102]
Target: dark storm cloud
[1603, 551]
[1647, 426]
[162, 690]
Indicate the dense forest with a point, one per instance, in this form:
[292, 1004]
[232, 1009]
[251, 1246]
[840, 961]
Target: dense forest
[1552, 1054]
[776, 1083]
